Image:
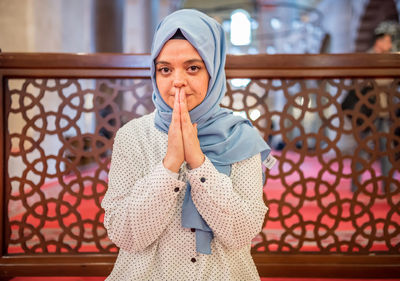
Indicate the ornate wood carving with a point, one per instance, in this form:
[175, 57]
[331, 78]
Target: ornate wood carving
[62, 111]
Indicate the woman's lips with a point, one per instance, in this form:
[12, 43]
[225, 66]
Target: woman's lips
[173, 95]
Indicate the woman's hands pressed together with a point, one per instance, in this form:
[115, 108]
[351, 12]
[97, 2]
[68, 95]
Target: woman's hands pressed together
[183, 143]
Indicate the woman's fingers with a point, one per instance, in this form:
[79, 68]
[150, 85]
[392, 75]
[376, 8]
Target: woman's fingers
[193, 154]
[185, 116]
[175, 150]
[176, 116]
[186, 123]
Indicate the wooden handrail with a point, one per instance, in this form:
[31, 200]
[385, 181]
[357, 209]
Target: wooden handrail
[233, 62]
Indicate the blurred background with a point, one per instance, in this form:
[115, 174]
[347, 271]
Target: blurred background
[252, 26]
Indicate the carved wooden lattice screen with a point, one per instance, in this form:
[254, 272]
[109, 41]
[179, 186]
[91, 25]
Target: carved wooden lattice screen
[334, 195]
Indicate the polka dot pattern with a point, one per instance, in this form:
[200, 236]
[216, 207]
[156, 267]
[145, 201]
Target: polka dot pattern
[143, 212]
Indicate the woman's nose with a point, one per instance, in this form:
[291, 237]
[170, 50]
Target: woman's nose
[179, 80]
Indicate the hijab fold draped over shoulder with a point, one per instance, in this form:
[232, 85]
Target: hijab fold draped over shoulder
[224, 137]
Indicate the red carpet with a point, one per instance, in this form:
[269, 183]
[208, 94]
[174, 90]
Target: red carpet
[277, 196]
[280, 199]
[288, 213]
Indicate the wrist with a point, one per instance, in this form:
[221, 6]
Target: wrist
[197, 161]
[171, 164]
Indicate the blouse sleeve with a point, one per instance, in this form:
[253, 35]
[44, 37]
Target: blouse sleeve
[138, 206]
[233, 207]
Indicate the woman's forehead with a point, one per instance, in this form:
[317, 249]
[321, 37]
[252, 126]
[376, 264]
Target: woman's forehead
[178, 49]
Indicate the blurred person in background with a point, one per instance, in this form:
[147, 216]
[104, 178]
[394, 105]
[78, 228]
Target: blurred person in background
[378, 100]
[382, 43]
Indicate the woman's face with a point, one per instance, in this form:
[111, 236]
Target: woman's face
[177, 66]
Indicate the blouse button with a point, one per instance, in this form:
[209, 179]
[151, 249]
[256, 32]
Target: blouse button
[176, 189]
[202, 179]
[192, 230]
[193, 260]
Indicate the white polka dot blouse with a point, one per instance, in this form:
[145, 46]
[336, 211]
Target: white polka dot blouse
[143, 212]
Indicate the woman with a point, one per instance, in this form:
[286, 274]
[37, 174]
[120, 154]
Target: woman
[185, 185]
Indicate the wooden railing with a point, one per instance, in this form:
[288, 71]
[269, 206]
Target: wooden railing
[334, 196]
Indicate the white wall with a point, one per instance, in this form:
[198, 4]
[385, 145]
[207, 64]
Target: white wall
[15, 34]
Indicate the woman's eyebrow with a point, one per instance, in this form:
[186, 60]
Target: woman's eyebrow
[185, 62]
[194, 60]
[162, 62]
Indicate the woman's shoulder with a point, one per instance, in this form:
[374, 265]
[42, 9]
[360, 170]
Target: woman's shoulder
[248, 164]
[136, 128]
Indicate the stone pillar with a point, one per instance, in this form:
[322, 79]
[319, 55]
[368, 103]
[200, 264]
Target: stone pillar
[108, 26]
[141, 19]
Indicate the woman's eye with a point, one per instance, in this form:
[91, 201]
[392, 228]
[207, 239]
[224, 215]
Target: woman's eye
[193, 68]
[164, 70]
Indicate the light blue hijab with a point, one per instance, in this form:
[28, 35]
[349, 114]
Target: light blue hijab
[224, 138]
